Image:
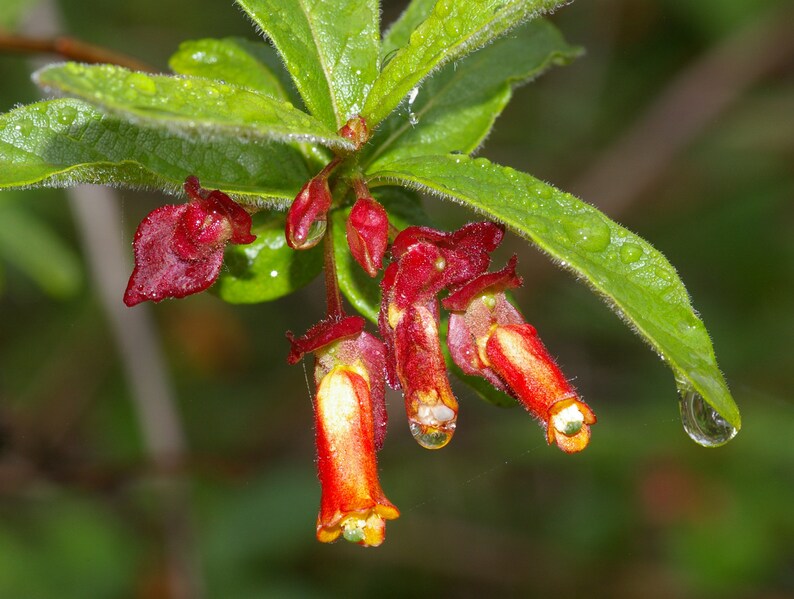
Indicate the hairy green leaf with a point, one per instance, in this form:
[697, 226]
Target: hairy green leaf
[330, 48]
[268, 268]
[67, 142]
[193, 107]
[233, 60]
[247, 64]
[637, 281]
[455, 28]
[456, 108]
[37, 251]
[400, 31]
[362, 291]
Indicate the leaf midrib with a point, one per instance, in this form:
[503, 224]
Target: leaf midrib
[322, 59]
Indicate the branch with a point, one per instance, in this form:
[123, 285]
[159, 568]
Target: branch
[71, 49]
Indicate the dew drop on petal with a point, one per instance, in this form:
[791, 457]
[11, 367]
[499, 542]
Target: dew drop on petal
[702, 422]
[315, 234]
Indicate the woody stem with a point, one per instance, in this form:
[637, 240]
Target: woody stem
[69, 48]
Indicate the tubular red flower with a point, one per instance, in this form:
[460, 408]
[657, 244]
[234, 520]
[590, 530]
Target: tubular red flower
[488, 337]
[431, 407]
[179, 248]
[353, 504]
[519, 357]
[427, 261]
[350, 415]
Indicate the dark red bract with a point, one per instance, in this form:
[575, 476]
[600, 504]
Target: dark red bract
[179, 248]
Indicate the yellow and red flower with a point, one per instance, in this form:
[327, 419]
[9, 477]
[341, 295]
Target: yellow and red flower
[425, 262]
[488, 337]
[350, 426]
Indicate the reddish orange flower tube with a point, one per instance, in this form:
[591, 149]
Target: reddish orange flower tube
[432, 408]
[353, 505]
[489, 338]
[521, 360]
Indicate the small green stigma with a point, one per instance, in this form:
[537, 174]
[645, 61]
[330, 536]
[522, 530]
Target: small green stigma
[568, 421]
[353, 530]
[489, 300]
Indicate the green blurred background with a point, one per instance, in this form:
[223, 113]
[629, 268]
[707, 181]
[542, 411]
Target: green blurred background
[694, 103]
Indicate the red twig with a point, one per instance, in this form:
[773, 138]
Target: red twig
[71, 49]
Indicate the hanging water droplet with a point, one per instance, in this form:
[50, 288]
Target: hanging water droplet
[412, 118]
[702, 422]
[431, 437]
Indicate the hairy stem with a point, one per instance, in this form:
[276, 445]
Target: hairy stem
[332, 295]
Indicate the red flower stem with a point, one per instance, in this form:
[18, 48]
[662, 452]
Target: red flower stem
[69, 48]
[362, 191]
[332, 296]
[330, 167]
[393, 231]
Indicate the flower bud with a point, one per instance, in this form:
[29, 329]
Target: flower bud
[368, 234]
[306, 219]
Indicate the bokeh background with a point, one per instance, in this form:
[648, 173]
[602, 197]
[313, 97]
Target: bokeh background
[678, 122]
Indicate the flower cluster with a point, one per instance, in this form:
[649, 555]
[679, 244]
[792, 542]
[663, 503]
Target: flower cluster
[179, 250]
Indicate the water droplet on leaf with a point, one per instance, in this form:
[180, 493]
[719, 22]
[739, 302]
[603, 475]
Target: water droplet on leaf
[67, 115]
[140, 83]
[702, 422]
[588, 231]
[630, 252]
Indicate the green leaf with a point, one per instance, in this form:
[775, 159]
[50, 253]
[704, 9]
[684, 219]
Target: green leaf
[268, 268]
[362, 291]
[66, 142]
[330, 48]
[400, 31]
[193, 107]
[233, 60]
[37, 251]
[455, 28]
[456, 108]
[247, 64]
[637, 281]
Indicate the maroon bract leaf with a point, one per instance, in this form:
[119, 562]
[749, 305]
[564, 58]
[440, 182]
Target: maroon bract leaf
[368, 234]
[306, 219]
[179, 249]
[488, 283]
[323, 333]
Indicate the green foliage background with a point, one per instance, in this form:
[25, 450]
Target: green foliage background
[643, 512]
